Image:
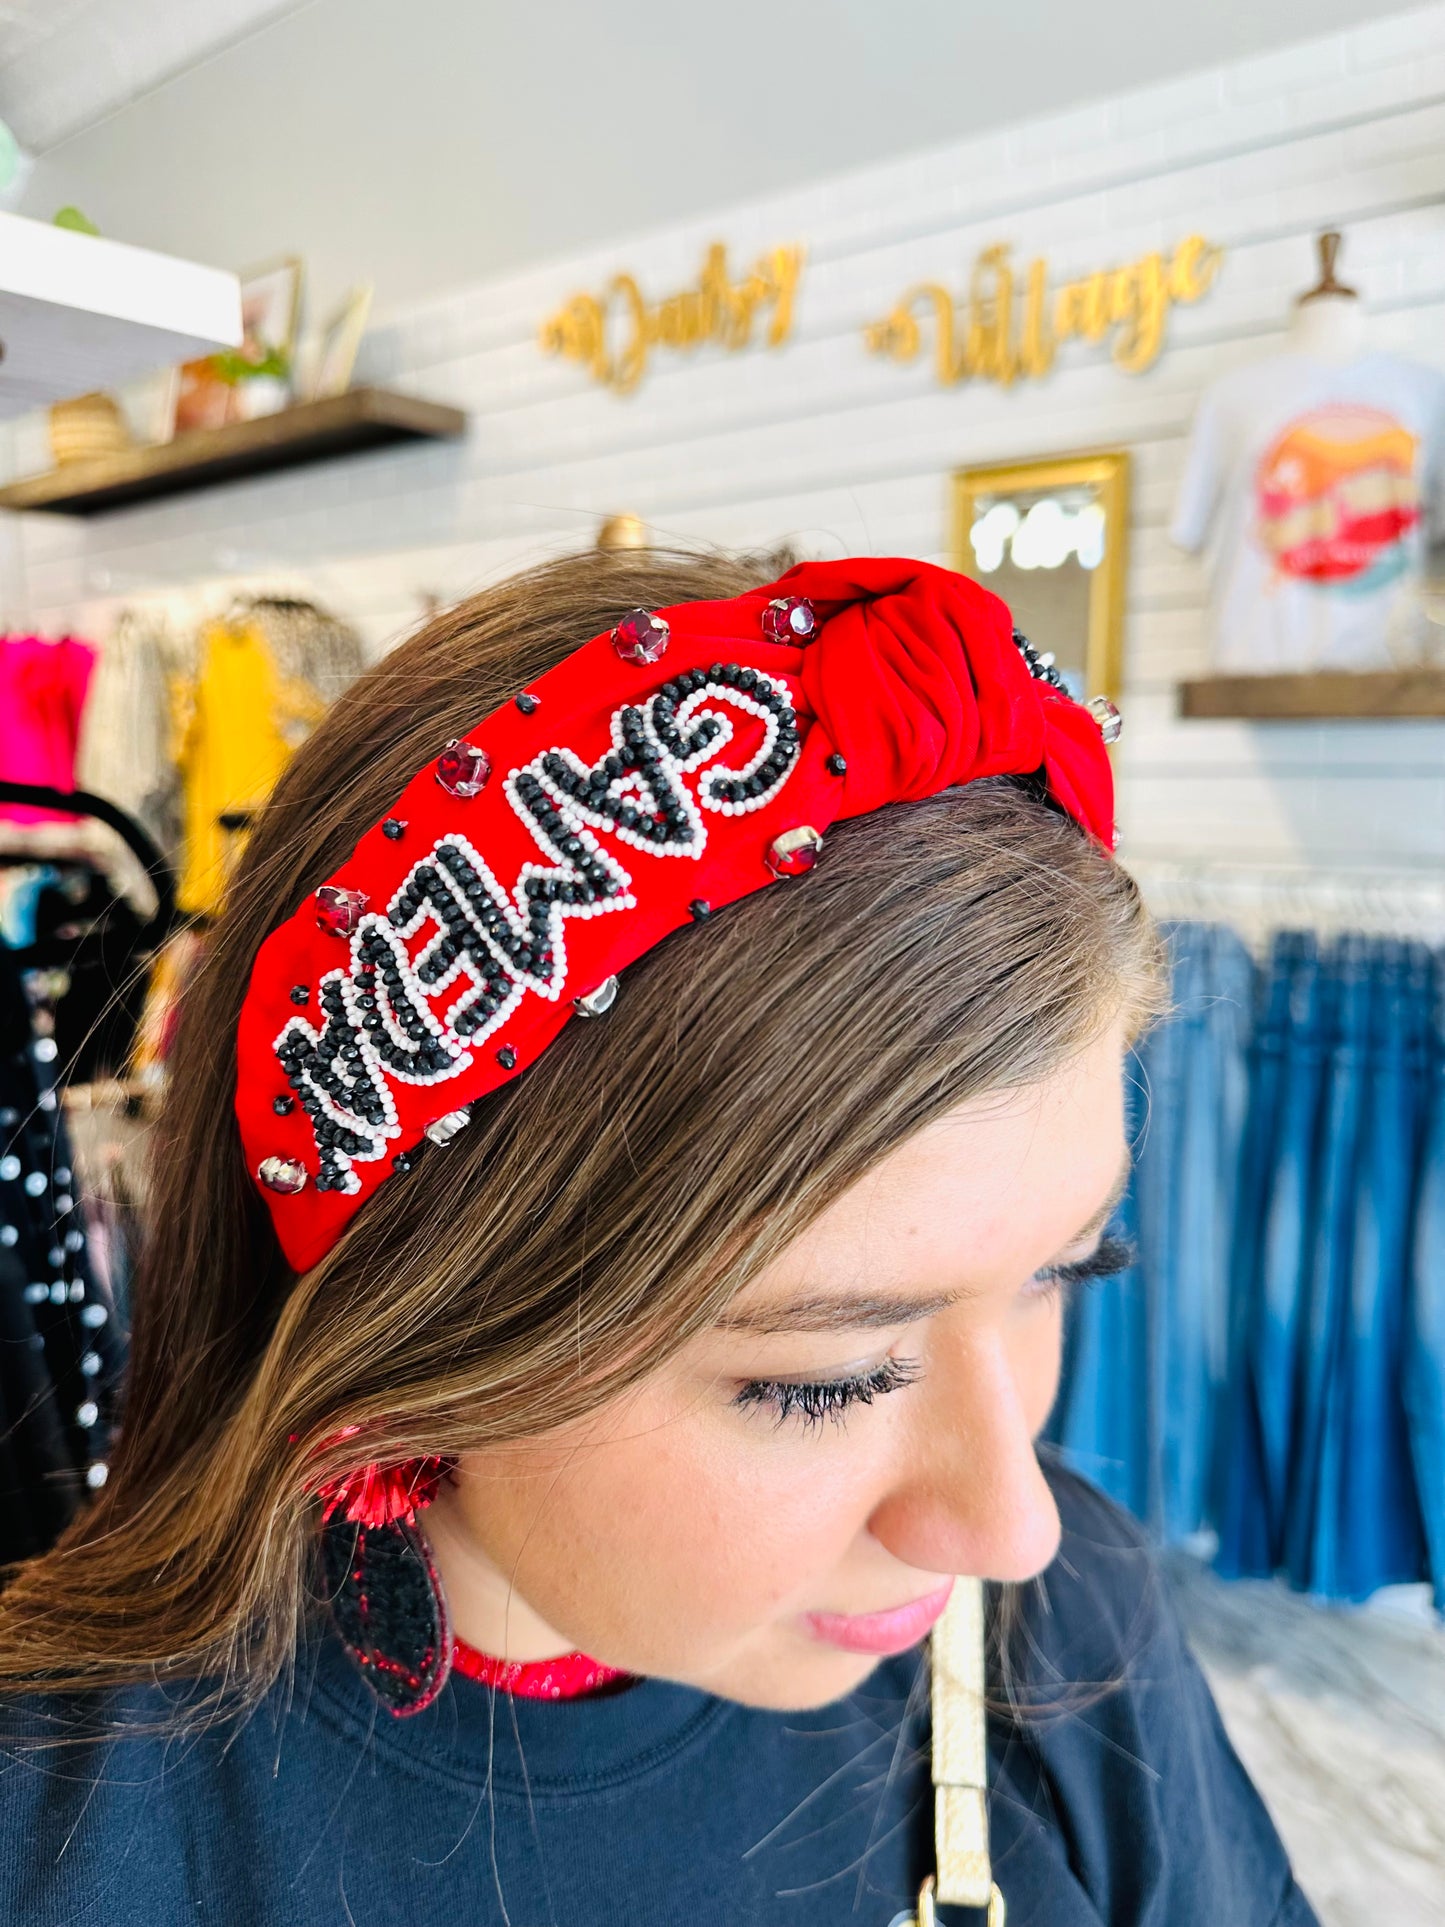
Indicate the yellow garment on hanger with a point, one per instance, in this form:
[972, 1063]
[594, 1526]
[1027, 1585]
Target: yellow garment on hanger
[230, 725]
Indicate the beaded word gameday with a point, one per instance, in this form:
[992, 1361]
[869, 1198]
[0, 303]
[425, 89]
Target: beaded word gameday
[377, 1024]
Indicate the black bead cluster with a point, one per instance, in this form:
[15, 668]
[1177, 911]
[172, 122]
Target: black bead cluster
[592, 880]
[703, 729]
[380, 975]
[1040, 670]
[427, 886]
[666, 822]
[761, 689]
[310, 1067]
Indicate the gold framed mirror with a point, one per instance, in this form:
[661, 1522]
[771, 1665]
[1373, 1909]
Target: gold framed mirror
[1052, 538]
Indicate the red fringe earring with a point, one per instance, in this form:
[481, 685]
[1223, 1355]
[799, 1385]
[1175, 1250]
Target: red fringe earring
[379, 1495]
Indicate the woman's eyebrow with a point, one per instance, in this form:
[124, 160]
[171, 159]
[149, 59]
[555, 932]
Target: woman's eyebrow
[1107, 1209]
[835, 1311]
[828, 1311]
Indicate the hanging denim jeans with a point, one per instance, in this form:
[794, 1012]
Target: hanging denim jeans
[1276, 1199]
[1424, 1345]
[1368, 1474]
[1185, 1186]
[1274, 1364]
[1355, 1522]
[1310, 1522]
[1146, 1350]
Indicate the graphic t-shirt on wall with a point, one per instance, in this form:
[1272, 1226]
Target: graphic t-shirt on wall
[1317, 487]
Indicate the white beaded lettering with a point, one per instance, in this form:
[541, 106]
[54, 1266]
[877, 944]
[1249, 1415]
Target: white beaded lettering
[453, 931]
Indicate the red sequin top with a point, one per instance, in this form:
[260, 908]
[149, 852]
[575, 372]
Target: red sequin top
[569, 1677]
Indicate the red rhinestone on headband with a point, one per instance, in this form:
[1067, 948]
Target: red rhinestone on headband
[520, 872]
[494, 946]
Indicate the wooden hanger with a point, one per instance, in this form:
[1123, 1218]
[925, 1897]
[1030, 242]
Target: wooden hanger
[1327, 287]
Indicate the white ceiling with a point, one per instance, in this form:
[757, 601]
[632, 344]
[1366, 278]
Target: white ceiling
[431, 144]
[65, 63]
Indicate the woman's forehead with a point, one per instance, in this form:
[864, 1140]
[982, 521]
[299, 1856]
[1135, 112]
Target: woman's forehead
[1011, 1176]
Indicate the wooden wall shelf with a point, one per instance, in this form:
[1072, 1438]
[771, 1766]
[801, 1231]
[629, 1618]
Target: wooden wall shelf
[313, 431]
[1338, 695]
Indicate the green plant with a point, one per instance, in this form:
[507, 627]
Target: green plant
[232, 366]
[72, 218]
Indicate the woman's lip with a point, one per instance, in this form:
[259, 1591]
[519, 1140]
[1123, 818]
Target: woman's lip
[891, 1632]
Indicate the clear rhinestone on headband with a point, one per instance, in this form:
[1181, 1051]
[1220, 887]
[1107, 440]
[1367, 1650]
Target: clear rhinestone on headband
[597, 1002]
[443, 1129]
[285, 1176]
[1107, 715]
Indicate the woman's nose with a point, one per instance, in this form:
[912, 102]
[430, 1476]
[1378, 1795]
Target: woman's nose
[972, 1498]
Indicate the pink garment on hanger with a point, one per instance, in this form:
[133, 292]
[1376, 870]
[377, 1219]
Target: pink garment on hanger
[42, 696]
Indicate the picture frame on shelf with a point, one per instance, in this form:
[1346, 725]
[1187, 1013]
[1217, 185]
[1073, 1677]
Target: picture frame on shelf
[1051, 536]
[271, 309]
[270, 331]
[149, 405]
[335, 351]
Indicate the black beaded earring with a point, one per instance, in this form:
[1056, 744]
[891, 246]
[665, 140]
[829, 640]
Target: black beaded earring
[388, 1608]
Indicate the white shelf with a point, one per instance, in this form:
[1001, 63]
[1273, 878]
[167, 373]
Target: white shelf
[78, 312]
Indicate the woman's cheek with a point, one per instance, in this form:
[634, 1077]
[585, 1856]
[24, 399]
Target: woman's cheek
[798, 1501]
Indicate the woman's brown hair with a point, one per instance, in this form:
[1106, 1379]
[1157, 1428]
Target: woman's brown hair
[597, 1211]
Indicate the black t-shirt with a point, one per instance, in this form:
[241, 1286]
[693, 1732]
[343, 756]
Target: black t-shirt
[660, 1806]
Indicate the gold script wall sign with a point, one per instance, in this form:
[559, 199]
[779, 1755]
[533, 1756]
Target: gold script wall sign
[1008, 328]
[613, 334]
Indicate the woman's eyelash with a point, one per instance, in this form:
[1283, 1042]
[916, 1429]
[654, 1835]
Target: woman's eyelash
[826, 1398]
[815, 1400]
[1112, 1256]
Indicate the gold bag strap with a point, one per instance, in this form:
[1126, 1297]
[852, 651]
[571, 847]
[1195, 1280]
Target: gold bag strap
[964, 1876]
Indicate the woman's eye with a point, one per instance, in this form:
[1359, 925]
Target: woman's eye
[812, 1402]
[1111, 1256]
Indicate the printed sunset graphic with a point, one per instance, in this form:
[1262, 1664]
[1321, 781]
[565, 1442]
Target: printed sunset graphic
[1337, 497]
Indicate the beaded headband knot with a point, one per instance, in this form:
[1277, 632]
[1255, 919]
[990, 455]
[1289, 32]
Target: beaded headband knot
[606, 805]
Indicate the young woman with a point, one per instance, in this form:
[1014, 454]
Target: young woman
[645, 1103]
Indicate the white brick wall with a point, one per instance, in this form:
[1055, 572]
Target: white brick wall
[840, 451]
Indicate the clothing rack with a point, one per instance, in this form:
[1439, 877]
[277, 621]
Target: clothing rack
[1260, 900]
[81, 803]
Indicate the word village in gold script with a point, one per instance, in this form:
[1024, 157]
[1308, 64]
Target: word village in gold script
[614, 333]
[1008, 327]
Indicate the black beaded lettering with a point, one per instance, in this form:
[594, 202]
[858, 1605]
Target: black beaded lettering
[485, 946]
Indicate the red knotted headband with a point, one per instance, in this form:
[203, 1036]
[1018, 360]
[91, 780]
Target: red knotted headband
[691, 756]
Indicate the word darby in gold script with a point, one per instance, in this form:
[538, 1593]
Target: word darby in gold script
[613, 334]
